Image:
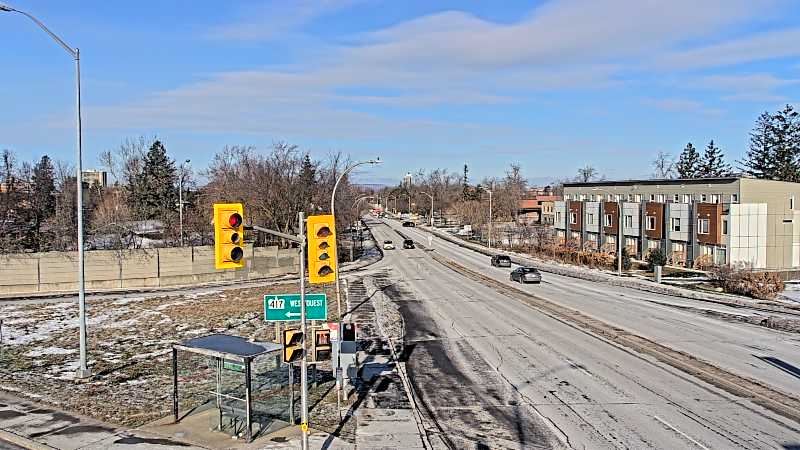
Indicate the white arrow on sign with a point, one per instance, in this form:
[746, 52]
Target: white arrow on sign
[291, 314]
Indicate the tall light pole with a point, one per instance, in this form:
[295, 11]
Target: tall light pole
[333, 213]
[83, 371]
[429, 195]
[180, 196]
[490, 217]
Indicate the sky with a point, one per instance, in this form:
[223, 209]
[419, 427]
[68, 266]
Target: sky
[549, 85]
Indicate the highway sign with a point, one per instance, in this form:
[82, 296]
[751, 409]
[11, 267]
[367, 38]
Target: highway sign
[286, 307]
[234, 366]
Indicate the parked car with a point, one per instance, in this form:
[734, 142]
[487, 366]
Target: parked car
[408, 223]
[388, 245]
[501, 261]
[526, 275]
[408, 243]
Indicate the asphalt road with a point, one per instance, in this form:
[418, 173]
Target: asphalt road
[491, 372]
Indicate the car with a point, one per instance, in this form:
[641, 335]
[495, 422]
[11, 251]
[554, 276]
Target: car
[408, 223]
[526, 274]
[501, 261]
[388, 245]
[408, 243]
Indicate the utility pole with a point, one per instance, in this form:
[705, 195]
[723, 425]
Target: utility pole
[180, 197]
[301, 221]
[620, 238]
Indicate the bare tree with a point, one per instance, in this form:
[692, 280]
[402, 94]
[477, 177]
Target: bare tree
[586, 173]
[664, 166]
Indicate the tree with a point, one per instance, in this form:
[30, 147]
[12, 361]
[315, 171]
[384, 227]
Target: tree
[655, 257]
[586, 174]
[786, 149]
[688, 164]
[626, 260]
[664, 166]
[758, 161]
[43, 197]
[466, 195]
[713, 164]
[155, 193]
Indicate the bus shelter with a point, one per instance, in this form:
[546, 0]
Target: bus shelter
[229, 353]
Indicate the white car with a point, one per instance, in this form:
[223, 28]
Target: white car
[388, 245]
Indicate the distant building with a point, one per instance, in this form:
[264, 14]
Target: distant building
[95, 177]
[725, 220]
[537, 209]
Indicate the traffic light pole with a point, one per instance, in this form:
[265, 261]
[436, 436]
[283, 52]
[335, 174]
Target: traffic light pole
[300, 239]
[301, 221]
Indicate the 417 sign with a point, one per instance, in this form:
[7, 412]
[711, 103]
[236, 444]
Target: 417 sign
[286, 307]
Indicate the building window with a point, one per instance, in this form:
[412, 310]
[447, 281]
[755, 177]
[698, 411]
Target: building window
[714, 198]
[630, 197]
[573, 218]
[724, 226]
[703, 198]
[629, 221]
[676, 224]
[638, 198]
[617, 197]
[590, 219]
[791, 202]
[566, 196]
[676, 198]
[687, 198]
[607, 220]
[702, 226]
[630, 244]
[582, 197]
[558, 216]
[653, 243]
[650, 223]
[706, 250]
[660, 198]
[678, 247]
[652, 197]
[734, 198]
[592, 197]
[611, 240]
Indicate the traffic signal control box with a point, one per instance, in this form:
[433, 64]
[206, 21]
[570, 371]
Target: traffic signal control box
[321, 239]
[228, 235]
[322, 345]
[292, 345]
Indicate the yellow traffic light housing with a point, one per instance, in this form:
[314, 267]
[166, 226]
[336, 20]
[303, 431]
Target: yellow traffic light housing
[228, 235]
[322, 345]
[292, 345]
[321, 238]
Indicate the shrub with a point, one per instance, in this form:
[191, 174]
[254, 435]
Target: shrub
[705, 262]
[655, 257]
[760, 285]
[626, 260]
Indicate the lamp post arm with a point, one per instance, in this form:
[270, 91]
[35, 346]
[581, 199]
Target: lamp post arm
[72, 51]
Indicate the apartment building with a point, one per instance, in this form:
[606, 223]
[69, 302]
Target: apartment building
[730, 220]
[538, 209]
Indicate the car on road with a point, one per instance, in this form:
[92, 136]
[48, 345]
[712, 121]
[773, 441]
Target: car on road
[501, 261]
[408, 243]
[408, 223]
[388, 245]
[526, 274]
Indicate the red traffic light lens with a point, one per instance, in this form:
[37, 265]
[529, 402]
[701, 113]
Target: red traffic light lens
[323, 232]
[235, 220]
[236, 254]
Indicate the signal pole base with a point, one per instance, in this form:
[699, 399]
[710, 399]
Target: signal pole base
[83, 374]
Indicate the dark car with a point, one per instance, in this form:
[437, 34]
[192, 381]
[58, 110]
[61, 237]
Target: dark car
[501, 261]
[526, 275]
[408, 243]
[408, 223]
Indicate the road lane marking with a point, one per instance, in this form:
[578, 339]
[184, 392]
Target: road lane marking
[666, 424]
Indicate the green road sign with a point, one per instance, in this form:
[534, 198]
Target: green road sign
[234, 366]
[287, 307]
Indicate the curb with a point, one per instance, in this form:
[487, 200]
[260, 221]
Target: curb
[23, 442]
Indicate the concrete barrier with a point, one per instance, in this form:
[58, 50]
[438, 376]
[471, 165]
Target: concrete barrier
[139, 268]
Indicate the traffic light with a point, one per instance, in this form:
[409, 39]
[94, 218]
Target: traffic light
[322, 345]
[292, 345]
[228, 236]
[321, 238]
[348, 332]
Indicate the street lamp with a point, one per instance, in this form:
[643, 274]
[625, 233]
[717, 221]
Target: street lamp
[490, 216]
[83, 371]
[333, 213]
[180, 195]
[429, 195]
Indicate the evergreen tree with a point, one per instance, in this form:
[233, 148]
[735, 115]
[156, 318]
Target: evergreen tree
[308, 182]
[713, 163]
[759, 161]
[688, 165]
[786, 150]
[154, 189]
[43, 197]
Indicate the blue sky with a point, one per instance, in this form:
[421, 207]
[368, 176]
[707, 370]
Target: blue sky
[551, 85]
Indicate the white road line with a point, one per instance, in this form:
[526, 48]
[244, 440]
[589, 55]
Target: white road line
[666, 424]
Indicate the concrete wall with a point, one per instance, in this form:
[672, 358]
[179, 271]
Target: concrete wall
[631, 209]
[782, 223]
[108, 269]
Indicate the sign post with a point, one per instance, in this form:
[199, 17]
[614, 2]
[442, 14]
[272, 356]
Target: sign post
[304, 328]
